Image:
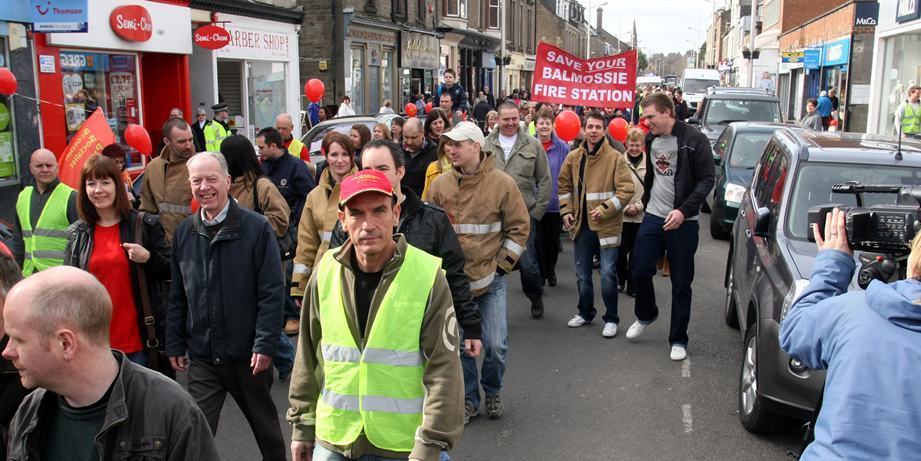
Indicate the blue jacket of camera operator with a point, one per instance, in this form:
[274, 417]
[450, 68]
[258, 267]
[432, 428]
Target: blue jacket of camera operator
[870, 343]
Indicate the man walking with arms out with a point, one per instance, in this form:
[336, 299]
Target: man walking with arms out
[522, 157]
[679, 175]
[492, 225]
[379, 327]
[595, 186]
[43, 212]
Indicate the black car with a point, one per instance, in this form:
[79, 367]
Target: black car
[723, 106]
[770, 257]
[738, 149]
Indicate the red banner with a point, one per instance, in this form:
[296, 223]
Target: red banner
[92, 136]
[561, 78]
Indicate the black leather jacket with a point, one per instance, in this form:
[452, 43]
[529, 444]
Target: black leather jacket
[694, 173]
[148, 416]
[80, 247]
[427, 228]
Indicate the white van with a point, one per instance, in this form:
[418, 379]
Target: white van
[653, 80]
[695, 82]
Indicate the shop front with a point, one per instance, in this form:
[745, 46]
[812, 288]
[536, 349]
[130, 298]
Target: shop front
[419, 63]
[897, 66]
[256, 73]
[371, 66]
[132, 63]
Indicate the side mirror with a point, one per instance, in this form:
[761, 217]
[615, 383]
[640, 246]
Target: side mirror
[694, 121]
[762, 222]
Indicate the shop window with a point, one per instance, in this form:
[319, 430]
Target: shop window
[102, 81]
[357, 88]
[267, 96]
[388, 69]
[8, 170]
[901, 69]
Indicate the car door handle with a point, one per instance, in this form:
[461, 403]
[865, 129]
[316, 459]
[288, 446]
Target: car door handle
[742, 212]
[748, 233]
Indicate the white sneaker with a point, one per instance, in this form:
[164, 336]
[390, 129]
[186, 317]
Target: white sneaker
[678, 353]
[577, 322]
[610, 330]
[635, 330]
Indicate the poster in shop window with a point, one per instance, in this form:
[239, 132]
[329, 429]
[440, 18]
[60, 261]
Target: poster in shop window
[121, 87]
[561, 78]
[7, 165]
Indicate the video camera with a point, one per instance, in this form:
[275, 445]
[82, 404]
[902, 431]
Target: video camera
[883, 233]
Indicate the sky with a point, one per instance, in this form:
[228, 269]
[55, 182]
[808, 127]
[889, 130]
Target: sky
[663, 26]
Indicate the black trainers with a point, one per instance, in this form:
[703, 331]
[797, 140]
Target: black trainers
[552, 280]
[470, 411]
[493, 406]
[537, 309]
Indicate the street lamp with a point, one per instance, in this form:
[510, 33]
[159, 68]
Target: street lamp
[696, 47]
[588, 28]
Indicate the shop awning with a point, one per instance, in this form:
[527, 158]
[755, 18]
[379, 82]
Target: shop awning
[472, 38]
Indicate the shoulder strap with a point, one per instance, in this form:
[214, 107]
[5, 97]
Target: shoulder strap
[257, 207]
[149, 321]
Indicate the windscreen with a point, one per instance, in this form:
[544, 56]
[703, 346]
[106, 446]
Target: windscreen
[724, 111]
[694, 85]
[747, 149]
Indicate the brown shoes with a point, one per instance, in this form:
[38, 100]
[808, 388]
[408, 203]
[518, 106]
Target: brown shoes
[292, 327]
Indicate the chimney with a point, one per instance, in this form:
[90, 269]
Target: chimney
[598, 13]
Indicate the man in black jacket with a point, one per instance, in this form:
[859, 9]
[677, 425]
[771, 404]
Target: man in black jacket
[679, 175]
[90, 401]
[225, 304]
[418, 153]
[428, 229]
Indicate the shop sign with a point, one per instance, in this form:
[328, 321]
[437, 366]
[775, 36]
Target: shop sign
[906, 10]
[131, 23]
[250, 43]
[867, 14]
[792, 56]
[811, 58]
[59, 15]
[211, 37]
[419, 51]
[837, 53]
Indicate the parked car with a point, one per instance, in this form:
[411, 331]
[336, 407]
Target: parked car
[737, 152]
[770, 257]
[314, 137]
[723, 106]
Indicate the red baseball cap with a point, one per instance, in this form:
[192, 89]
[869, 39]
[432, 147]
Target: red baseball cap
[361, 182]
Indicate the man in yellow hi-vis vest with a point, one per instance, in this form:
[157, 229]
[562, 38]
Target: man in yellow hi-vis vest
[379, 313]
[216, 130]
[43, 212]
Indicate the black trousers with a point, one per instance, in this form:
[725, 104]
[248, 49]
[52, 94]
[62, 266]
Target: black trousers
[625, 255]
[548, 243]
[209, 385]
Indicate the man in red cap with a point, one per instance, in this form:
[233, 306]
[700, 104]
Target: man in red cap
[380, 314]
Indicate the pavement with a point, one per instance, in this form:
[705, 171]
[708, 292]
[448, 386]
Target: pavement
[570, 393]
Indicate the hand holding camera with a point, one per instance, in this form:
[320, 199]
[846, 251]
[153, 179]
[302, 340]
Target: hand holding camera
[835, 232]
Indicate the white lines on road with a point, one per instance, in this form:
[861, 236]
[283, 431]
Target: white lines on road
[686, 368]
[686, 418]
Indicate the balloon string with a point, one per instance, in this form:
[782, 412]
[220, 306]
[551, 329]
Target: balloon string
[36, 100]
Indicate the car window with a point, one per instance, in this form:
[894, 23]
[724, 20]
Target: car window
[721, 112]
[747, 149]
[719, 148]
[345, 128]
[771, 178]
[814, 182]
[693, 85]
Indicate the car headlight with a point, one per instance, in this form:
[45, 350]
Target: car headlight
[734, 193]
[792, 295]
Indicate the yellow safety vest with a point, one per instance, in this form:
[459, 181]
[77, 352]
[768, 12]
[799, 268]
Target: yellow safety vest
[214, 136]
[911, 120]
[376, 389]
[44, 245]
[295, 148]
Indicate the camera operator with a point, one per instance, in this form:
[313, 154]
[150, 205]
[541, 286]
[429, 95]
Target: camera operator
[869, 343]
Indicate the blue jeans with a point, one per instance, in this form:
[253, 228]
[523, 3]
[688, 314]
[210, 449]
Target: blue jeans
[322, 454]
[493, 313]
[531, 282]
[585, 246]
[284, 357]
[681, 244]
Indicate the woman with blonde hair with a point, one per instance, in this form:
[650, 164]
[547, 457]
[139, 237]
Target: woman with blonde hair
[380, 131]
[633, 212]
[441, 165]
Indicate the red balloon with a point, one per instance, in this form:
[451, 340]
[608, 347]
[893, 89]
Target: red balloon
[618, 129]
[314, 90]
[567, 125]
[137, 137]
[7, 82]
[428, 107]
[411, 109]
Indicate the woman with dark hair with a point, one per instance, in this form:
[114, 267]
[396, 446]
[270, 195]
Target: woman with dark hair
[103, 243]
[436, 123]
[249, 180]
[396, 130]
[117, 153]
[360, 135]
[322, 209]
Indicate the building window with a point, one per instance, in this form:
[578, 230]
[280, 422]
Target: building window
[770, 13]
[456, 8]
[358, 83]
[398, 8]
[902, 70]
[388, 68]
[421, 8]
[493, 15]
[530, 32]
[267, 95]
[519, 38]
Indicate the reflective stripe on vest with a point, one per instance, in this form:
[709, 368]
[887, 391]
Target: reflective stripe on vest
[295, 148]
[911, 120]
[377, 391]
[44, 246]
[166, 207]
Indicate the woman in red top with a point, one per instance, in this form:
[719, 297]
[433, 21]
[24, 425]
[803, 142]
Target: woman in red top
[103, 243]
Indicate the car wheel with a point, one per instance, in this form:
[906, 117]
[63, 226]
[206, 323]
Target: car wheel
[754, 417]
[731, 315]
[717, 230]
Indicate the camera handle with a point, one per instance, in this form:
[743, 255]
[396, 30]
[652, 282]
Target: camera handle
[885, 267]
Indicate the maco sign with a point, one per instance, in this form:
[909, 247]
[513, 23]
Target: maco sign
[867, 14]
[131, 23]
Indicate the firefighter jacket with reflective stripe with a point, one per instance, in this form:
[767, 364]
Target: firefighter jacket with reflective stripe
[166, 191]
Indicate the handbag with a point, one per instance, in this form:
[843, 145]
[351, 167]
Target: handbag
[156, 357]
[287, 243]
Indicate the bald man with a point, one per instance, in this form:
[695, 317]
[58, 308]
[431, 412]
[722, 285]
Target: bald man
[44, 209]
[285, 125]
[418, 153]
[90, 401]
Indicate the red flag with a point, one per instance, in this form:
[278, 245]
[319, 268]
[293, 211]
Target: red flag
[561, 78]
[92, 136]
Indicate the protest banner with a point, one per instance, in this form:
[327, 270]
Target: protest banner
[561, 78]
[92, 136]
